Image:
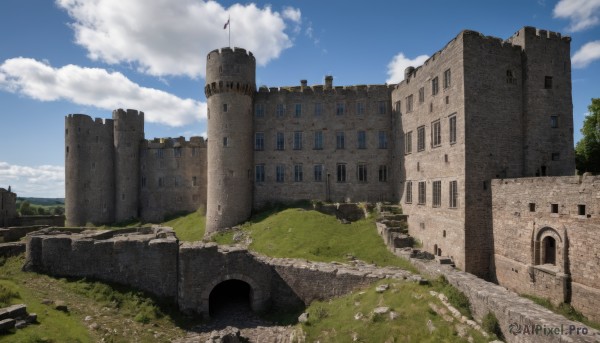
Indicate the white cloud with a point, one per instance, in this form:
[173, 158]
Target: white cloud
[588, 53]
[96, 87]
[292, 14]
[399, 63]
[583, 14]
[39, 181]
[165, 37]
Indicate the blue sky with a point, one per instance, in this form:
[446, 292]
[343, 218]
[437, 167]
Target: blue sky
[74, 56]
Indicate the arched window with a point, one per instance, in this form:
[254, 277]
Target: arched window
[549, 250]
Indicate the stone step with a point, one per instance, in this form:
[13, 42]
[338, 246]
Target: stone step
[7, 325]
[14, 311]
[444, 260]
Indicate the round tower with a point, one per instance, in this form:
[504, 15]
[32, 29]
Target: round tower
[89, 171]
[230, 87]
[129, 133]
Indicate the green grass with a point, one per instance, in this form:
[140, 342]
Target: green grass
[189, 227]
[311, 235]
[455, 297]
[334, 321]
[563, 309]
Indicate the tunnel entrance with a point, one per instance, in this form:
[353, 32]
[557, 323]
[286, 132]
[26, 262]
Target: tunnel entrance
[230, 297]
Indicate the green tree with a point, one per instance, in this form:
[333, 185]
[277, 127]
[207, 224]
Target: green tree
[41, 211]
[587, 150]
[26, 209]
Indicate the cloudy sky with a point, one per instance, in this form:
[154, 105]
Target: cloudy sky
[75, 56]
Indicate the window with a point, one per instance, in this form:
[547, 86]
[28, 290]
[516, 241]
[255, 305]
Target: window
[259, 173]
[298, 111]
[280, 110]
[195, 152]
[225, 107]
[318, 140]
[360, 108]
[382, 140]
[298, 173]
[225, 141]
[409, 103]
[259, 110]
[554, 122]
[453, 194]
[452, 127]
[437, 193]
[422, 194]
[361, 172]
[510, 79]
[436, 133]
[297, 140]
[555, 156]
[382, 173]
[339, 140]
[318, 171]
[279, 141]
[194, 181]
[318, 109]
[434, 86]
[421, 95]
[447, 78]
[259, 141]
[161, 181]
[548, 82]
[382, 107]
[549, 250]
[581, 210]
[408, 142]
[362, 140]
[408, 196]
[341, 172]
[531, 207]
[340, 108]
[279, 173]
[159, 153]
[554, 208]
[398, 106]
[177, 181]
[421, 138]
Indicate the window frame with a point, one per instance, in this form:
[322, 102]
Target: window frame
[436, 193]
[340, 140]
[452, 128]
[453, 194]
[436, 133]
[408, 195]
[435, 87]
[298, 173]
[259, 141]
[361, 172]
[361, 139]
[422, 193]
[341, 176]
[259, 173]
[421, 138]
[279, 141]
[297, 144]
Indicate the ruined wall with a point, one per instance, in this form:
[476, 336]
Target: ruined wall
[89, 170]
[302, 113]
[440, 229]
[172, 177]
[144, 258]
[529, 211]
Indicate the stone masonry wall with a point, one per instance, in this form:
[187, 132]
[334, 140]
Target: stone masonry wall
[301, 113]
[523, 217]
[144, 258]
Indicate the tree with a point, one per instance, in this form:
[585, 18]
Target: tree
[587, 150]
[26, 209]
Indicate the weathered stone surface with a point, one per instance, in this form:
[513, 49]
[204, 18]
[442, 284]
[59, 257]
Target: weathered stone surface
[303, 318]
[7, 324]
[13, 311]
[382, 288]
[381, 310]
[12, 249]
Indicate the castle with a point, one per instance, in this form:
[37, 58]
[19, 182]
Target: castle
[448, 143]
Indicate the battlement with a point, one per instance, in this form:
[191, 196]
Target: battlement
[73, 119]
[586, 179]
[229, 51]
[529, 32]
[319, 89]
[179, 142]
[130, 114]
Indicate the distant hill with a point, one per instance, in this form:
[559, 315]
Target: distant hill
[43, 201]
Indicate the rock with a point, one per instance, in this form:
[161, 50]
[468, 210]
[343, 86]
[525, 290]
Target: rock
[382, 288]
[433, 293]
[13, 311]
[303, 318]
[443, 298]
[60, 305]
[430, 326]
[461, 330]
[88, 318]
[394, 315]
[94, 326]
[31, 318]
[358, 316]
[418, 279]
[357, 303]
[20, 324]
[7, 324]
[47, 302]
[381, 310]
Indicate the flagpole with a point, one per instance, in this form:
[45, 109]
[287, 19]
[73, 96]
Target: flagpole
[229, 21]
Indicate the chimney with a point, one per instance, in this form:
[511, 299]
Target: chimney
[328, 82]
[408, 72]
[303, 84]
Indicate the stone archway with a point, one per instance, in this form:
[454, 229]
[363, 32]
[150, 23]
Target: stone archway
[230, 296]
[548, 253]
[257, 298]
[548, 247]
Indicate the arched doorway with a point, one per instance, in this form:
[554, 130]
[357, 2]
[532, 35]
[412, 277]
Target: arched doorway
[549, 250]
[230, 297]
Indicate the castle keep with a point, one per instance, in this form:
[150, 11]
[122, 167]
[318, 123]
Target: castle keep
[479, 112]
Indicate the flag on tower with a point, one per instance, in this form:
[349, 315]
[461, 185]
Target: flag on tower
[226, 24]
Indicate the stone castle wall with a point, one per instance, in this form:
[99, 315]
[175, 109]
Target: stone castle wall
[8, 207]
[313, 121]
[530, 211]
[172, 177]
